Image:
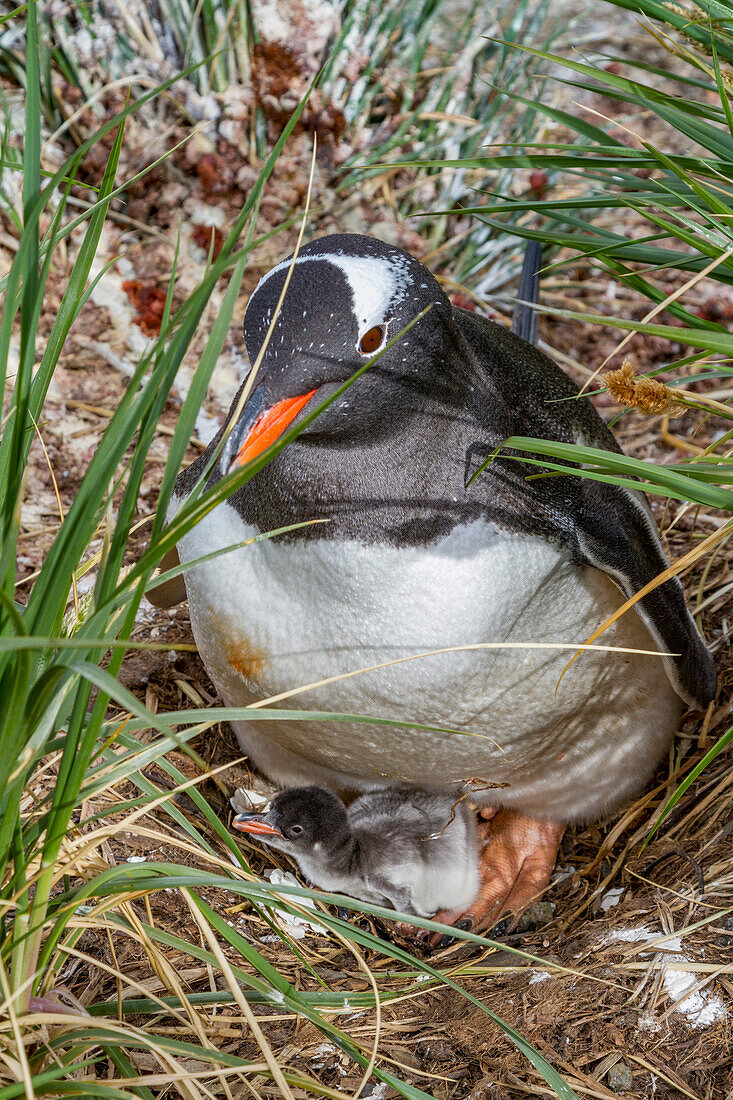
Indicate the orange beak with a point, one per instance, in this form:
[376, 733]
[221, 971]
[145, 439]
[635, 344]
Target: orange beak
[268, 427]
[253, 823]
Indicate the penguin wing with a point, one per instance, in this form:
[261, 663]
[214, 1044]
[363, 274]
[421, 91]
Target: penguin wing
[615, 532]
[523, 392]
[400, 895]
[173, 591]
[170, 592]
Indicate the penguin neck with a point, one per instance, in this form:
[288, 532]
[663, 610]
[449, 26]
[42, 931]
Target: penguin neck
[343, 856]
[402, 485]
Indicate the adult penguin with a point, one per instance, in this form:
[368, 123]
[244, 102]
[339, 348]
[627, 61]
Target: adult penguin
[415, 557]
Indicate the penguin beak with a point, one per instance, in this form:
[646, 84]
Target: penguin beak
[255, 824]
[264, 426]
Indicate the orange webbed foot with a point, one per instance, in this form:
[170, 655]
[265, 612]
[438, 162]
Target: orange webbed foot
[515, 866]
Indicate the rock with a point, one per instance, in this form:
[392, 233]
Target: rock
[536, 916]
[619, 1078]
[726, 941]
[304, 26]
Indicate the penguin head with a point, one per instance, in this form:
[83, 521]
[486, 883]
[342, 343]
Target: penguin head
[348, 296]
[300, 820]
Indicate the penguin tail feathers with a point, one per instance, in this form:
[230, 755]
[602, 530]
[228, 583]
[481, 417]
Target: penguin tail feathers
[524, 318]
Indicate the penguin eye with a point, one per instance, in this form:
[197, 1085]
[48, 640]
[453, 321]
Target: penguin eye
[372, 340]
[296, 830]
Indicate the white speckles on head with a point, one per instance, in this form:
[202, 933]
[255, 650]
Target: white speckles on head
[375, 282]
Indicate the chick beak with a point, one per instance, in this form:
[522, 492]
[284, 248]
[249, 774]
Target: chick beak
[268, 425]
[255, 824]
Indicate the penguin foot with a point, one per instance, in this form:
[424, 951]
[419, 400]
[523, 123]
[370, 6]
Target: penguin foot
[412, 932]
[515, 865]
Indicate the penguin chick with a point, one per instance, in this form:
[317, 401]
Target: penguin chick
[416, 851]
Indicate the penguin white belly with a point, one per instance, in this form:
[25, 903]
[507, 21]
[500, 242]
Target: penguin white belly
[277, 615]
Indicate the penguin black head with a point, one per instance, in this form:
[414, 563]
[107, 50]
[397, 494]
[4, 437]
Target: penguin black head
[348, 296]
[300, 819]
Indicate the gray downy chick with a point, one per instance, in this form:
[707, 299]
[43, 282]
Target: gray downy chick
[414, 850]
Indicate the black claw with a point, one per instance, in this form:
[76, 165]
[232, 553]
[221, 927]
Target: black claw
[500, 929]
[342, 913]
[465, 925]
[446, 941]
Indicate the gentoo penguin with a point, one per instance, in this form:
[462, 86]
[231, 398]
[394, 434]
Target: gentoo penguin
[416, 557]
[414, 851]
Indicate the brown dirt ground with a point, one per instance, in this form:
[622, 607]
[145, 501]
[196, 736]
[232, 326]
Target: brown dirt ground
[607, 1007]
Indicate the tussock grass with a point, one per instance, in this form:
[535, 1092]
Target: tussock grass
[79, 746]
[450, 106]
[429, 83]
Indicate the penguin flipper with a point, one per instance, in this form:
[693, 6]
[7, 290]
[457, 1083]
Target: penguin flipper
[400, 896]
[170, 592]
[614, 532]
[605, 526]
[524, 318]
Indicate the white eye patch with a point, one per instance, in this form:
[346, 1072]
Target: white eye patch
[374, 283]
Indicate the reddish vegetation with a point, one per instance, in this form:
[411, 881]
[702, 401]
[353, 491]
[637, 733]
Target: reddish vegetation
[538, 183]
[276, 70]
[217, 173]
[715, 311]
[463, 301]
[280, 80]
[203, 234]
[149, 301]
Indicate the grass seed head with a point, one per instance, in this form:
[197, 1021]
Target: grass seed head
[647, 394]
[679, 9]
[621, 384]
